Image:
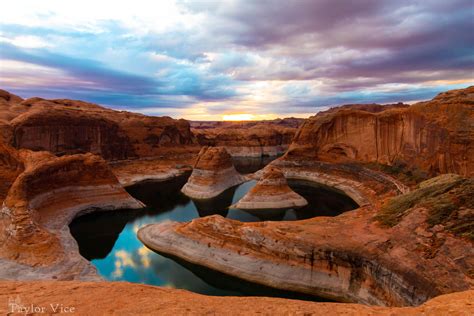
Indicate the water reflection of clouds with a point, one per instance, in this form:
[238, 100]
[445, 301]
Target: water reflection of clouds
[123, 259]
[129, 260]
[144, 254]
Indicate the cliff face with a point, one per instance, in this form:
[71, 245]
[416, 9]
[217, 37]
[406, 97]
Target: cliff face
[248, 139]
[45, 193]
[436, 136]
[69, 127]
[10, 168]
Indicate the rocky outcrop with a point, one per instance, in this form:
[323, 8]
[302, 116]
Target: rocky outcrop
[47, 193]
[92, 298]
[70, 127]
[162, 168]
[371, 107]
[436, 136]
[271, 192]
[10, 167]
[213, 173]
[248, 139]
[350, 257]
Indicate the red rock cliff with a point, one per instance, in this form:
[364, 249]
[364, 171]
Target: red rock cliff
[248, 139]
[436, 136]
[68, 127]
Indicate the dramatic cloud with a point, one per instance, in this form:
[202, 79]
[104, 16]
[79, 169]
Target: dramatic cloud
[206, 59]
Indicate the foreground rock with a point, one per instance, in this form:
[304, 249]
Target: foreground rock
[107, 298]
[46, 194]
[351, 257]
[432, 137]
[213, 174]
[271, 192]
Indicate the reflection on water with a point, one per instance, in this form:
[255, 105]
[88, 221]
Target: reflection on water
[109, 239]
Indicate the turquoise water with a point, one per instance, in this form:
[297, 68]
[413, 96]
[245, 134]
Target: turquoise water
[109, 239]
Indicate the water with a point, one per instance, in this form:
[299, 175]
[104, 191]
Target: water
[109, 239]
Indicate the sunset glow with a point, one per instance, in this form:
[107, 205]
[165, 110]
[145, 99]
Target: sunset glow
[238, 117]
[204, 59]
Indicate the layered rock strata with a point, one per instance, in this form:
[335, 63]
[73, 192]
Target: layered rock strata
[70, 127]
[436, 136]
[271, 192]
[43, 199]
[161, 168]
[92, 298]
[248, 139]
[350, 257]
[213, 173]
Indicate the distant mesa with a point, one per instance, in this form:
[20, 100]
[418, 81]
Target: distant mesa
[213, 173]
[271, 192]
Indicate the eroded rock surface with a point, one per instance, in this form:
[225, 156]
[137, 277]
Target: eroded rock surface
[46, 193]
[351, 257]
[70, 127]
[436, 136]
[248, 139]
[271, 192]
[213, 173]
[108, 298]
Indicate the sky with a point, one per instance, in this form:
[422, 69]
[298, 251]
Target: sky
[236, 59]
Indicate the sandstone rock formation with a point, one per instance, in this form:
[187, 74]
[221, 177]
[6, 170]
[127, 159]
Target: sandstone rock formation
[213, 173]
[248, 139]
[350, 257]
[45, 194]
[436, 136]
[69, 127]
[271, 192]
[104, 298]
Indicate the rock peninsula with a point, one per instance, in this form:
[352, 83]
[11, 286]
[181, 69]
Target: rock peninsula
[271, 192]
[213, 173]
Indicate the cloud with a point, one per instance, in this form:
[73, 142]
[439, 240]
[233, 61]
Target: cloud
[208, 58]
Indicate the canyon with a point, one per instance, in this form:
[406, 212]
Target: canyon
[409, 169]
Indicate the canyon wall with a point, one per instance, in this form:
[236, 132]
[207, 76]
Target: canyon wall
[70, 127]
[436, 136]
[45, 193]
[248, 139]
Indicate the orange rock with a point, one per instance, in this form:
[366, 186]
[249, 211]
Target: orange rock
[271, 192]
[46, 193]
[435, 136]
[248, 139]
[69, 127]
[213, 173]
[350, 257]
[121, 298]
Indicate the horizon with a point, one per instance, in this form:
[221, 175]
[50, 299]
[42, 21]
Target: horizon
[214, 61]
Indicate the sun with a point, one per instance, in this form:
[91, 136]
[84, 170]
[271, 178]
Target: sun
[238, 117]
